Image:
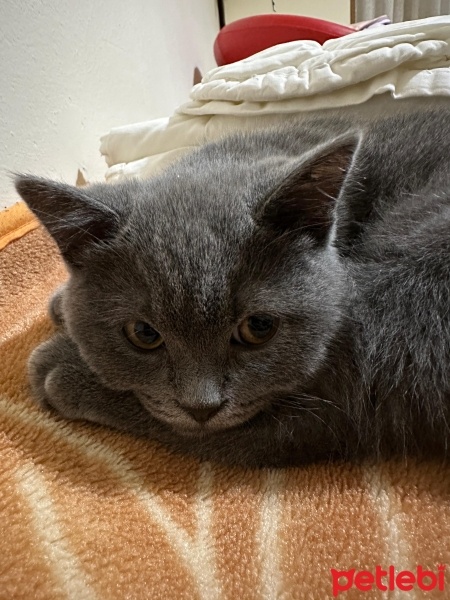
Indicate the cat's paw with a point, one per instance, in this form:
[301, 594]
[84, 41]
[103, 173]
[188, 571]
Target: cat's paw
[61, 381]
[55, 307]
[56, 372]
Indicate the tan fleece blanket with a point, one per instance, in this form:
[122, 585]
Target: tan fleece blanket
[89, 513]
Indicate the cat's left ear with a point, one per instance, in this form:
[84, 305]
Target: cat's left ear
[305, 201]
[76, 218]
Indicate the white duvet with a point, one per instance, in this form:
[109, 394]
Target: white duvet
[384, 69]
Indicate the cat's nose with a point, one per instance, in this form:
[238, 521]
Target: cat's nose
[204, 413]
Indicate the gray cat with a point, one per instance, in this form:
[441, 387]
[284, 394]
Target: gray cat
[274, 298]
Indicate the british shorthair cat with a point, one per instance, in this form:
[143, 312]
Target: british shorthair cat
[273, 298]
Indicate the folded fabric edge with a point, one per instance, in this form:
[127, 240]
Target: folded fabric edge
[15, 222]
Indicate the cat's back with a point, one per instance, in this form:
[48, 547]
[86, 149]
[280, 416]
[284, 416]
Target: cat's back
[401, 274]
[400, 191]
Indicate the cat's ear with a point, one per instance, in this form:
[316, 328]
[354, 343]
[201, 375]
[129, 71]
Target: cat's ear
[305, 200]
[74, 219]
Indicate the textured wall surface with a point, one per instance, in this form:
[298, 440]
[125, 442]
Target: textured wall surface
[71, 71]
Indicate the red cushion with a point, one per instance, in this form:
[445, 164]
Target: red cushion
[245, 37]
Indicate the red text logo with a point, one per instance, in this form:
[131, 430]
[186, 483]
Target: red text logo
[388, 579]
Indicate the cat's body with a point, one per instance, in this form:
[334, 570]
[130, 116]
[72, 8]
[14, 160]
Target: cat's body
[336, 236]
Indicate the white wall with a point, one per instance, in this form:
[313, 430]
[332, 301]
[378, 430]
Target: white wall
[330, 10]
[71, 70]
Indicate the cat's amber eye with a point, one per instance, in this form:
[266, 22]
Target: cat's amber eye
[142, 335]
[256, 329]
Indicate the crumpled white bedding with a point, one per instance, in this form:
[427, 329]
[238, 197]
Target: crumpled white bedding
[371, 71]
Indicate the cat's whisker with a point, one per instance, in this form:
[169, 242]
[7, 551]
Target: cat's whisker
[293, 398]
[296, 401]
[316, 416]
[283, 425]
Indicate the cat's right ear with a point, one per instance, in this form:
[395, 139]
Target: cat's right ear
[305, 201]
[76, 220]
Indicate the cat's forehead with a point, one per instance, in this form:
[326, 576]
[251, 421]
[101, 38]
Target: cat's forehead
[201, 210]
[184, 246]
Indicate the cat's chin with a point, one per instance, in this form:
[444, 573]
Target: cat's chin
[204, 430]
[194, 432]
[225, 420]
[201, 429]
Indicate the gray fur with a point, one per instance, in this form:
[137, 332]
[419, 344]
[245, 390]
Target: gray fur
[340, 231]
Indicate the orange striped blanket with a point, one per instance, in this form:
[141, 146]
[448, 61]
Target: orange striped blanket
[89, 513]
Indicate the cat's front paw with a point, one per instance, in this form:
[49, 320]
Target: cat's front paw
[56, 372]
[61, 381]
[55, 310]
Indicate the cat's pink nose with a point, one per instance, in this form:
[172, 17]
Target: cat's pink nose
[204, 413]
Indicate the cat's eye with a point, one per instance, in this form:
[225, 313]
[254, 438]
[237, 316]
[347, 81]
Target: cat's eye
[143, 335]
[256, 329]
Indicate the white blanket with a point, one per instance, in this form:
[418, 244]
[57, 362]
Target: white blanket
[384, 69]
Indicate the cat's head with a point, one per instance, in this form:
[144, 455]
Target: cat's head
[212, 290]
